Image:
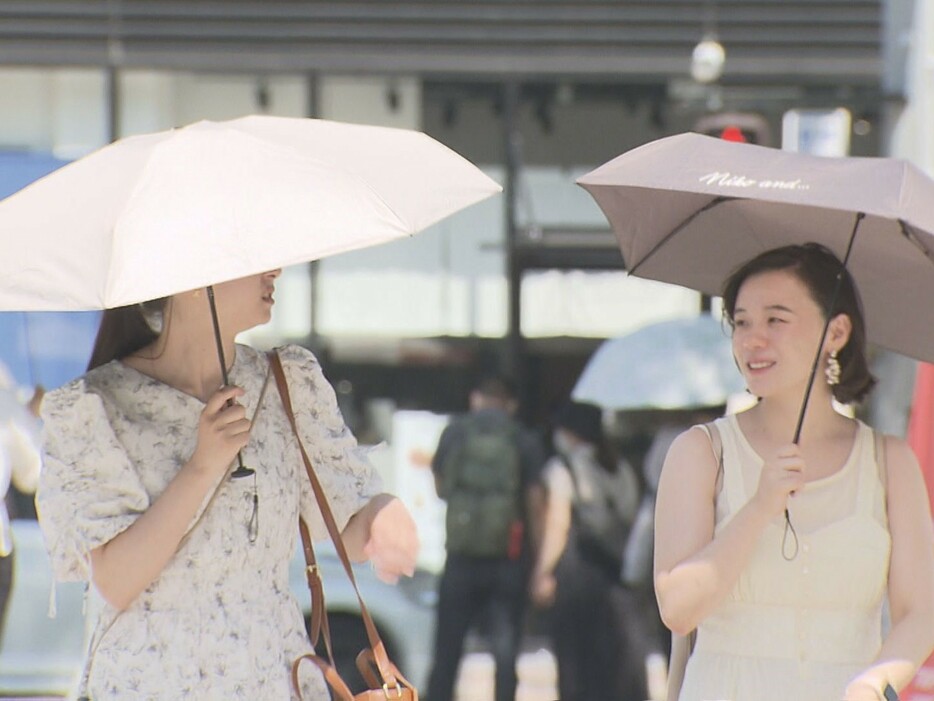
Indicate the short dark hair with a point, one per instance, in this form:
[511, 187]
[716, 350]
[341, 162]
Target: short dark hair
[496, 386]
[817, 268]
[582, 419]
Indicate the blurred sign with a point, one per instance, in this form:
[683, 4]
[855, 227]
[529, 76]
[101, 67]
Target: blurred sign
[817, 132]
[415, 437]
[741, 127]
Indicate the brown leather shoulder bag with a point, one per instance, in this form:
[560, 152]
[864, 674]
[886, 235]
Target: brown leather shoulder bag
[380, 674]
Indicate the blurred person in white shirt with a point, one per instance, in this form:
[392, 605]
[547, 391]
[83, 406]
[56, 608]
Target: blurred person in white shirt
[20, 459]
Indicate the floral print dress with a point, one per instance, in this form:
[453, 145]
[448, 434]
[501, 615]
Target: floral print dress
[219, 622]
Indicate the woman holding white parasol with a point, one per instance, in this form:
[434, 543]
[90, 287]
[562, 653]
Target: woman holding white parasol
[135, 495]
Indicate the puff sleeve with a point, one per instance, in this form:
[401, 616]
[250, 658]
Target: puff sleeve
[89, 491]
[342, 466]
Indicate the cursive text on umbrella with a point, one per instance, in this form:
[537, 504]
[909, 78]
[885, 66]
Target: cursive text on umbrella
[731, 180]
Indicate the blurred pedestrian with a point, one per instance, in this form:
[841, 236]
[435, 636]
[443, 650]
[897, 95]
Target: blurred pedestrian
[592, 499]
[19, 466]
[487, 468]
[637, 572]
[779, 554]
[136, 496]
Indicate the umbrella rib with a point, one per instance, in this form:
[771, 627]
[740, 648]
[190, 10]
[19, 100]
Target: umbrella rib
[710, 205]
[914, 239]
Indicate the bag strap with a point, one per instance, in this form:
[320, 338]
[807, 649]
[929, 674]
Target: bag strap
[879, 448]
[607, 499]
[315, 586]
[733, 488]
[380, 658]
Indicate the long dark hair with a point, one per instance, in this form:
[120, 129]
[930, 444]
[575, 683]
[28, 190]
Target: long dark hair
[817, 268]
[124, 330]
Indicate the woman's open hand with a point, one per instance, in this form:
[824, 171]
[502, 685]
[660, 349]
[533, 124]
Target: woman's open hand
[392, 543]
[543, 587]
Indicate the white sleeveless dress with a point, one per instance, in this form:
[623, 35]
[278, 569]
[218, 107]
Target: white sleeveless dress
[798, 629]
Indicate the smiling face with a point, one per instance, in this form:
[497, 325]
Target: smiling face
[777, 326]
[826, 282]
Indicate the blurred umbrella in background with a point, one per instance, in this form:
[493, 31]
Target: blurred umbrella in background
[46, 348]
[677, 364]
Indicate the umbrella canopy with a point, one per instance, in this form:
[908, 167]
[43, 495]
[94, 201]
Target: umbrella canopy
[676, 364]
[690, 209]
[157, 214]
[31, 342]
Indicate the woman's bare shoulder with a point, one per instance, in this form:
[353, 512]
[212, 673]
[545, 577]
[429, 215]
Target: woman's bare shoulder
[692, 452]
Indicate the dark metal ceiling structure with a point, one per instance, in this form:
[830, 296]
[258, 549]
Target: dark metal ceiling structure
[650, 40]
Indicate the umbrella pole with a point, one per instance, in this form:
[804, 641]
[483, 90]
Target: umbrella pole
[833, 301]
[242, 470]
[807, 393]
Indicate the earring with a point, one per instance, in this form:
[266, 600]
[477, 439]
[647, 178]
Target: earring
[832, 371]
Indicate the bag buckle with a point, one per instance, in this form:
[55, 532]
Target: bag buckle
[394, 693]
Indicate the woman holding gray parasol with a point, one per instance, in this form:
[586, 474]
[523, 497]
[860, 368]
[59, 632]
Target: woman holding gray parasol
[780, 554]
[780, 532]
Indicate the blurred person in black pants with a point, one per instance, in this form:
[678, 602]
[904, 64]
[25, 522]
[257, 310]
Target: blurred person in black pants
[591, 503]
[487, 469]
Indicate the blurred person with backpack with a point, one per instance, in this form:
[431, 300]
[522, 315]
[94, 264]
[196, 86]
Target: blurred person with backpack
[591, 504]
[487, 469]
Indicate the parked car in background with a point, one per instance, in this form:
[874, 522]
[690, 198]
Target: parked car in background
[40, 655]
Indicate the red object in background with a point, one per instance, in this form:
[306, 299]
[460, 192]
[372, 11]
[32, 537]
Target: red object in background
[516, 531]
[921, 424]
[921, 439]
[732, 133]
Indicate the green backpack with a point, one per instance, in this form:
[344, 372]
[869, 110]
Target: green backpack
[481, 484]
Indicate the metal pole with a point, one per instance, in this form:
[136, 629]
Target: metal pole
[115, 56]
[112, 80]
[512, 162]
[312, 108]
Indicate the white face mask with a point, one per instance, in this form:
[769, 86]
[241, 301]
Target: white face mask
[562, 442]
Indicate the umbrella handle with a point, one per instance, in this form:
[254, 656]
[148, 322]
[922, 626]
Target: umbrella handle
[242, 470]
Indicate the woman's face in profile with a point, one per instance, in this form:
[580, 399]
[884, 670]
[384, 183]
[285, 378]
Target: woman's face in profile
[777, 326]
[246, 302]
